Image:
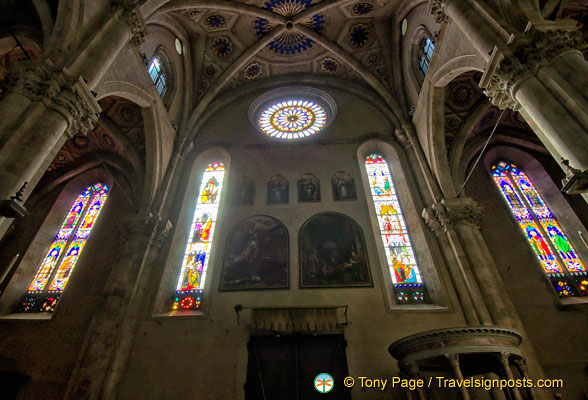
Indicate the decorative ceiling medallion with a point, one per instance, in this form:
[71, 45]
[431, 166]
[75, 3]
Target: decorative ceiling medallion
[289, 42]
[252, 71]
[330, 65]
[292, 113]
[359, 35]
[222, 47]
[214, 21]
[363, 8]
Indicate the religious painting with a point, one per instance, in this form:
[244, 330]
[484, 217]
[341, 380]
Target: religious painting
[309, 188]
[244, 192]
[278, 190]
[256, 255]
[332, 253]
[343, 186]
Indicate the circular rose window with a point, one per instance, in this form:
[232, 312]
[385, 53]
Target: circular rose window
[292, 119]
[292, 113]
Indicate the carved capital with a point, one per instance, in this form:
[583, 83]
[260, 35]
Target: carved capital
[40, 80]
[137, 26]
[131, 16]
[78, 107]
[145, 228]
[442, 217]
[439, 10]
[552, 43]
[509, 67]
[33, 79]
[401, 137]
[464, 211]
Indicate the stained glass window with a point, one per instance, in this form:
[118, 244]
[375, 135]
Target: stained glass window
[61, 258]
[404, 270]
[292, 119]
[426, 55]
[188, 295]
[550, 244]
[157, 74]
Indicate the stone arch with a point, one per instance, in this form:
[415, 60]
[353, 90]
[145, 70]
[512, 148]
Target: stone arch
[156, 150]
[442, 77]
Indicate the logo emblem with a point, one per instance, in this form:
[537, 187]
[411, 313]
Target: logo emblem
[323, 383]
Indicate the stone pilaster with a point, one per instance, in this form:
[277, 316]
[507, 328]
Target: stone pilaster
[113, 329]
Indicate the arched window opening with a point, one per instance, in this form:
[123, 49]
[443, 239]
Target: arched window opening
[425, 54]
[550, 244]
[61, 258]
[158, 76]
[190, 286]
[402, 263]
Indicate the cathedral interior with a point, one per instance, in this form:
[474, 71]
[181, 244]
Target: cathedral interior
[312, 198]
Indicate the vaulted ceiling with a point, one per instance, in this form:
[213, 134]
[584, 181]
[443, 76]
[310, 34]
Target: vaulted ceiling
[236, 42]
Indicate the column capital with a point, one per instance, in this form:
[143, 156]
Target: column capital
[444, 216]
[132, 16]
[145, 227]
[401, 136]
[439, 10]
[510, 66]
[41, 80]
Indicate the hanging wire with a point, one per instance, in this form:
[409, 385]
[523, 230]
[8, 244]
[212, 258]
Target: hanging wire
[113, 177]
[481, 153]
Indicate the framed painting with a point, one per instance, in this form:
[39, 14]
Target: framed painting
[256, 255]
[343, 186]
[332, 253]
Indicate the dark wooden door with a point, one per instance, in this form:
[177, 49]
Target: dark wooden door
[284, 367]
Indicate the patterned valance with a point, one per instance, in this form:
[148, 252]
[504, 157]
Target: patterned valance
[295, 319]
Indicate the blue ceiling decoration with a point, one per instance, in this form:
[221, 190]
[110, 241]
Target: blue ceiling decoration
[289, 42]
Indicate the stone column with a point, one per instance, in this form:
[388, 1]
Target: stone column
[112, 331]
[440, 219]
[504, 360]
[541, 70]
[47, 104]
[475, 23]
[522, 367]
[414, 373]
[454, 361]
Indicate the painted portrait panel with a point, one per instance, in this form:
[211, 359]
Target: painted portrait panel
[309, 188]
[256, 255]
[343, 186]
[278, 190]
[244, 192]
[332, 253]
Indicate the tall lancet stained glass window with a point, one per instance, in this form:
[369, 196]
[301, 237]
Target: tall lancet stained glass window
[61, 258]
[188, 295]
[550, 244]
[404, 270]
